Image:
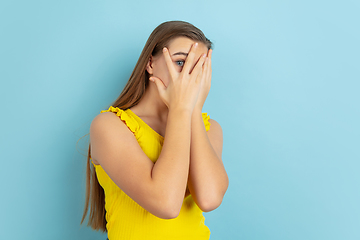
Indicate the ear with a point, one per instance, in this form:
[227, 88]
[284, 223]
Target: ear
[149, 67]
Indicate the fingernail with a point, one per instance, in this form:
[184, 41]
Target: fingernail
[164, 49]
[195, 45]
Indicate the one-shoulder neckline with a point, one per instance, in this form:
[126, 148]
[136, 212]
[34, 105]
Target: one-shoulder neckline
[151, 129]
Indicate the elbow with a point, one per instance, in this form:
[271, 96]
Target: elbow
[210, 202]
[173, 214]
[167, 213]
[170, 214]
[167, 205]
[208, 206]
[170, 211]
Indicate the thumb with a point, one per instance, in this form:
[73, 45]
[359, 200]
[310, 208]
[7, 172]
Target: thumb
[159, 84]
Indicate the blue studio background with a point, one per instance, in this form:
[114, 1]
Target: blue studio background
[285, 89]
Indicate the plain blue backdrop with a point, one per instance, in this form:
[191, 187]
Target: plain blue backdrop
[285, 89]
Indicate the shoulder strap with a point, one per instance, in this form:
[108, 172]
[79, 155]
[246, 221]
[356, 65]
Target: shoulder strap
[130, 122]
[206, 118]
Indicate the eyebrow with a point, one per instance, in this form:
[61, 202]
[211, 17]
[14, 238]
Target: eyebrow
[180, 53]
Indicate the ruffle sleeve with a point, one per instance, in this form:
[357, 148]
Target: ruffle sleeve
[130, 122]
[206, 118]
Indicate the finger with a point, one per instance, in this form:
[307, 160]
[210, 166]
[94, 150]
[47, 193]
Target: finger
[201, 75]
[169, 64]
[190, 59]
[209, 54]
[206, 64]
[199, 66]
[206, 68]
[209, 64]
[208, 72]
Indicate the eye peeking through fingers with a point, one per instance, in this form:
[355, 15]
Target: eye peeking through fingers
[180, 63]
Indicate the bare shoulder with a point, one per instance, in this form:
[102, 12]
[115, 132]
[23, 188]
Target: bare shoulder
[106, 123]
[105, 116]
[107, 120]
[106, 128]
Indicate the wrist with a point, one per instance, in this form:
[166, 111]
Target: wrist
[180, 111]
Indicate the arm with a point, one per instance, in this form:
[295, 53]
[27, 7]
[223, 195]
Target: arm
[208, 180]
[159, 188]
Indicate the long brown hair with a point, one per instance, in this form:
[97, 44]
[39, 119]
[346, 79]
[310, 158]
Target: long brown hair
[129, 97]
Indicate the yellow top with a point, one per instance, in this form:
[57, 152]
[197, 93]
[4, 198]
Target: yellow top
[128, 220]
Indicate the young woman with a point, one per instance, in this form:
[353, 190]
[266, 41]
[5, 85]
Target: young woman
[155, 161]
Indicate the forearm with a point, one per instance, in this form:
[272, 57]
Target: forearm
[170, 172]
[208, 180]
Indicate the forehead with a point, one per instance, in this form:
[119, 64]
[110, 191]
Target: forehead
[183, 44]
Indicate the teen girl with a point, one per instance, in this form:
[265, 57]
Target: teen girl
[155, 157]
